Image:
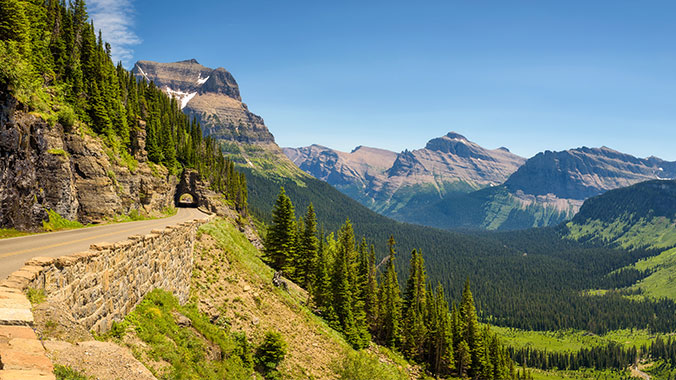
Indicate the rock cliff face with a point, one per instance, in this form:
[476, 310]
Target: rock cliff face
[44, 167]
[581, 173]
[387, 181]
[210, 95]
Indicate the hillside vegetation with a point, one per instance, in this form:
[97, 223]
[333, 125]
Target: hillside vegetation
[55, 66]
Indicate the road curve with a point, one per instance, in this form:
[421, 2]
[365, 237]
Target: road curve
[14, 252]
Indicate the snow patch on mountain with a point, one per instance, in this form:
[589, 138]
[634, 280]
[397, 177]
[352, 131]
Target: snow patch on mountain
[201, 80]
[182, 97]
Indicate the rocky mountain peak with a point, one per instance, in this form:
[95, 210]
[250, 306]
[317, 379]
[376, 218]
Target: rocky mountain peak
[585, 172]
[210, 95]
[455, 135]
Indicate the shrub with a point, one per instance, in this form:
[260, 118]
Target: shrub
[57, 222]
[36, 296]
[66, 373]
[270, 353]
[362, 366]
[66, 117]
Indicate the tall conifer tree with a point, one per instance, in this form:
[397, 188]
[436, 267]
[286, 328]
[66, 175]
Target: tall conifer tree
[280, 241]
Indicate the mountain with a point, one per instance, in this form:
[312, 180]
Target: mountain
[638, 216]
[455, 183]
[578, 174]
[389, 183]
[209, 95]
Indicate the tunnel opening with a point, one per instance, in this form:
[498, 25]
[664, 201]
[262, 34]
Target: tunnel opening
[186, 200]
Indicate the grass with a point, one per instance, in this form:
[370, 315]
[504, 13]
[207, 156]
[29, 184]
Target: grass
[652, 233]
[57, 222]
[58, 152]
[661, 283]
[591, 374]
[12, 232]
[569, 340]
[36, 296]
[66, 373]
[188, 351]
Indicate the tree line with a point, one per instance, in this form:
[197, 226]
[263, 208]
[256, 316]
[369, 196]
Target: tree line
[610, 356]
[53, 61]
[362, 298]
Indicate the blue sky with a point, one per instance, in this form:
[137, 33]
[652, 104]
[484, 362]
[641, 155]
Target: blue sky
[528, 75]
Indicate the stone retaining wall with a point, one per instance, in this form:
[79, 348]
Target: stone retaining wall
[98, 287]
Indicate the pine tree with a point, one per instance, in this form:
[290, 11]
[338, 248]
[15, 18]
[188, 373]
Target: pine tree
[389, 296]
[439, 339]
[371, 292]
[343, 287]
[280, 241]
[470, 333]
[307, 258]
[414, 308]
[14, 25]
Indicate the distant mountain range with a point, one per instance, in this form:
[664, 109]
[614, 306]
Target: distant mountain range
[455, 183]
[388, 182]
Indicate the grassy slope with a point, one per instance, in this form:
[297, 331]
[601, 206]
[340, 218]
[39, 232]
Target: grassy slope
[662, 281]
[232, 284]
[569, 340]
[642, 216]
[233, 301]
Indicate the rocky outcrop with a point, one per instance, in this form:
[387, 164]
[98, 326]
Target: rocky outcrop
[210, 95]
[578, 174]
[43, 167]
[192, 183]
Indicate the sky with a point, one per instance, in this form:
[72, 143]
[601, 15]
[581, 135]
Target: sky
[527, 75]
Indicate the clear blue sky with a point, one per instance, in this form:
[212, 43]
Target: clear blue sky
[528, 75]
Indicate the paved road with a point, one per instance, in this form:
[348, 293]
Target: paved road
[14, 252]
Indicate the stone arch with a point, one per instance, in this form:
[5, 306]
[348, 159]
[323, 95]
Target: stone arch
[188, 185]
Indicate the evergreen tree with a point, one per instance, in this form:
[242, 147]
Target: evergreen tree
[14, 25]
[280, 241]
[414, 308]
[371, 292]
[309, 246]
[389, 296]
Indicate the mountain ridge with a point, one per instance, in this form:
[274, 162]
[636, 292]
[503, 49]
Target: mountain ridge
[211, 96]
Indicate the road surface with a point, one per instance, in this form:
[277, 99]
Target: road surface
[14, 252]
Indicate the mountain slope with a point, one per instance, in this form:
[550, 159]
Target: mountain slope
[210, 95]
[581, 173]
[642, 216]
[391, 183]
[638, 216]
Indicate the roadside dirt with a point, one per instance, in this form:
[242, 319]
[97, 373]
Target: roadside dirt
[102, 360]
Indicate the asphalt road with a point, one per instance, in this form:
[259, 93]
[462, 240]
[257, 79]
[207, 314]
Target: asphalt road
[14, 252]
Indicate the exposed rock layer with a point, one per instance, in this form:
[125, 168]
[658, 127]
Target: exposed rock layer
[210, 95]
[43, 167]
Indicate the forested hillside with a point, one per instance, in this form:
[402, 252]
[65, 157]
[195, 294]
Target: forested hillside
[53, 63]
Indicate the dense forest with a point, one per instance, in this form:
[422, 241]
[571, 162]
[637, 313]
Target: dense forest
[532, 279]
[55, 65]
[362, 298]
[610, 356]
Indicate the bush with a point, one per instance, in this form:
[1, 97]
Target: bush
[362, 366]
[57, 222]
[66, 373]
[270, 353]
[36, 296]
[66, 117]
